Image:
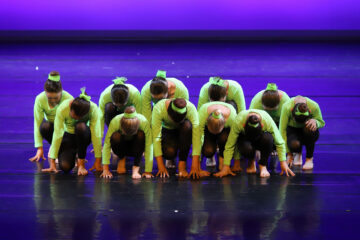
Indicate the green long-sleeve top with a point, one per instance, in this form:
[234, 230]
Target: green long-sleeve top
[160, 119]
[235, 93]
[180, 92]
[256, 103]
[42, 110]
[286, 118]
[268, 125]
[105, 98]
[204, 114]
[64, 123]
[144, 126]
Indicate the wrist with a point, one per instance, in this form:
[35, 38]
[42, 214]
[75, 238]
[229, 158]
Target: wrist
[106, 167]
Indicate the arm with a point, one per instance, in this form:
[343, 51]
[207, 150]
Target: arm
[316, 114]
[284, 119]
[38, 118]
[146, 102]
[95, 129]
[58, 134]
[240, 99]
[203, 96]
[137, 101]
[256, 101]
[148, 148]
[102, 113]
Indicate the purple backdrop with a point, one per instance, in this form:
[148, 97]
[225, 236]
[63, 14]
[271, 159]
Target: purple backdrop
[179, 15]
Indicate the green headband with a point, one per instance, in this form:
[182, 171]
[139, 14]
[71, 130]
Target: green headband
[130, 115]
[161, 73]
[55, 78]
[216, 116]
[178, 110]
[271, 87]
[119, 80]
[298, 113]
[255, 125]
[83, 94]
[217, 81]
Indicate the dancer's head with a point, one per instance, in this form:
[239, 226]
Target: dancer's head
[216, 122]
[253, 128]
[53, 88]
[120, 92]
[270, 98]
[80, 106]
[159, 86]
[301, 112]
[177, 110]
[129, 122]
[217, 89]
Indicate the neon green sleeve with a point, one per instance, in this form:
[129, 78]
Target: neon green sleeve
[102, 111]
[284, 119]
[202, 123]
[256, 101]
[146, 101]
[240, 99]
[230, 146]
[192, 115]
[278, 140]
[38, 118]
[203, 96]
[316, 113]
[156, 125]
[95, 129]
[106, 152]
[136, 99]
[148, 154]
[181, 91]
[58, 132]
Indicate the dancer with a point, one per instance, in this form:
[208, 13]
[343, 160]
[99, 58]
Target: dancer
[46, 104]
[129, 135]
[72, 135]
[254, 130]
[300, 121]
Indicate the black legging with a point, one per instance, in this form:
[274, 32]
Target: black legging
[47, 130]
[263, 143]
[111, 111]
[211, 141]
[73, 144]
[133, 146]
[298, 137]
[233, 103]
[174, 140]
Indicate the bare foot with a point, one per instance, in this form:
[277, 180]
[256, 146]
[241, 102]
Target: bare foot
[263, 171]
[290, 159]
[297, 159]
[251, 169]
[236, 167]
[82, 171]
[309, 164]
[135, 172]
[121, 169]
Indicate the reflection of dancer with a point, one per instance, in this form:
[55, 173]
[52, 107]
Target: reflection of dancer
[46, 104]
[299, 125]
[175, 126]
[115, 98]
[270, 100]
[72, 135]
[254, 130]
[215, 119]
[129, 134]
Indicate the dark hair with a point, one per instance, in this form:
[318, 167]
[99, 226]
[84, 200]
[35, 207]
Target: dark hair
[80, 107]
[270, 98]
[175, 116]
[130, 126]
[120, 94]
[253, 133]
[158, 85]
[302, 108]
[216, 92]
[52, 86]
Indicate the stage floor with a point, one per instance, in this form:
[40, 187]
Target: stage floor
[314, 205]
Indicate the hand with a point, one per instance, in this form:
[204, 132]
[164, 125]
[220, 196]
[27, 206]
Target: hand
[204, 173]
[194, 173]
[52, 167]
[82, 171]
[162, 172]
[147, 175]
[97, 165]
[285, 169]
[311, 125]
[290, 159]
[183, 174]
[224, 172]
[38, 156]
[106, 174]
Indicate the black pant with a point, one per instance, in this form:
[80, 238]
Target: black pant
[73, 144]
[298, 137]
[211, 141]
[264, 143]
[133, 146]
[174, 140]
[111, 111]
[232, 103]
[47, 130]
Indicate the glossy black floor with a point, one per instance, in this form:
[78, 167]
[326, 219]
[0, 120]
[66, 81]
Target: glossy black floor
[322, 204]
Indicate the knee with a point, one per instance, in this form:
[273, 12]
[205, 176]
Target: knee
[45, 127]
[223, 137]
[109, 107]
[247, 150]
[267, 139]
[209, 151]
[66, 166]
[169, 153]
[186, 126]
[140, 136]
[115, 138]
[80, 128]
[294, 145]
[311, 135]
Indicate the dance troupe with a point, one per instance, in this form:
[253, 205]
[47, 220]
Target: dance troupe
[161, 122]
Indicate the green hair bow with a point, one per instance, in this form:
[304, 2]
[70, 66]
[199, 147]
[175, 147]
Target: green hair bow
[254, 125]
[130, 115]
[119, 80]
[216, 115]
[161, 73]
[178, 110]
[298, 113]
[217, 81]
[83, 95]
[271, 87]
[54, 78]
